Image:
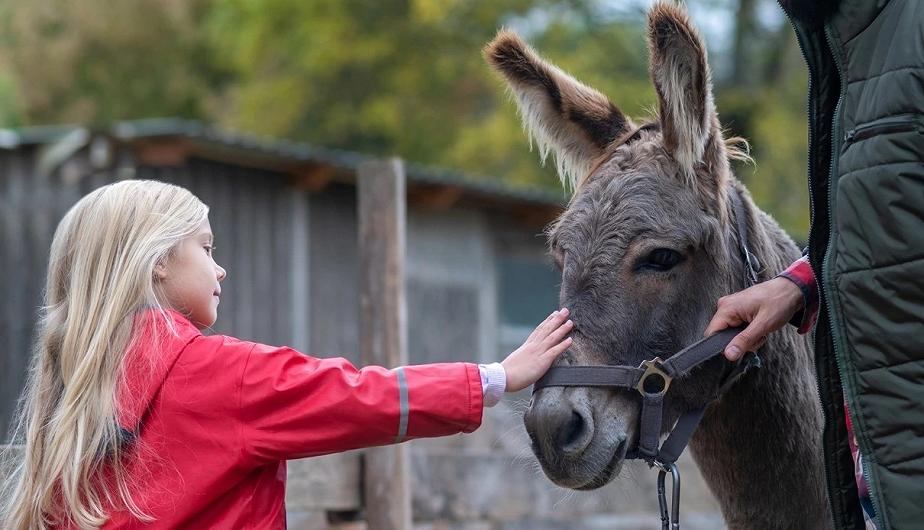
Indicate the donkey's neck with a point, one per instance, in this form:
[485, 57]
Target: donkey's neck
[759, 446]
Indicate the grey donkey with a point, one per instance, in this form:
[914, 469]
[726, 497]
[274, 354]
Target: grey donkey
[646, 247]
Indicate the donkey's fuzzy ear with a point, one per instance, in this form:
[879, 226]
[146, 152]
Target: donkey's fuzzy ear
[570, 119]
[681, 77]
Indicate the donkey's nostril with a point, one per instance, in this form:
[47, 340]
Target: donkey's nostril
[574, 436]
[573, 429]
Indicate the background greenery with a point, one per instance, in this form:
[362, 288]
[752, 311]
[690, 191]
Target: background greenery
[400, 77]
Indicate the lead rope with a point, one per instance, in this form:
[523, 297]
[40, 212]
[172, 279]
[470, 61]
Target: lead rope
[671, 521]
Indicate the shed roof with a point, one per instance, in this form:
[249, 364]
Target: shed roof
[223, 144]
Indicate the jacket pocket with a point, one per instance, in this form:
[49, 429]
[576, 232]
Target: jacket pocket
[890, 125]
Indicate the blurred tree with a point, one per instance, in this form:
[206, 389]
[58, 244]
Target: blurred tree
[8, 111]
[763, 99]
[95, 61]
[401, 77]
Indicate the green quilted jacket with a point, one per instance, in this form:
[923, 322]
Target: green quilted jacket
[866, 245]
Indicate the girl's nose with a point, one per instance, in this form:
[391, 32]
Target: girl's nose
[222, 273]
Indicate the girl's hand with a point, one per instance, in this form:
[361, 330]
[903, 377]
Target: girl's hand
[532, 360]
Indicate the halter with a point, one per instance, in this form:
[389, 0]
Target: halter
[652, 379]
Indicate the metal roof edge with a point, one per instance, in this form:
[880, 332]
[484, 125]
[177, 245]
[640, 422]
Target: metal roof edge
[132, 130]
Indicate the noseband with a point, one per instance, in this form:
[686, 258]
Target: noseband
[653, 378]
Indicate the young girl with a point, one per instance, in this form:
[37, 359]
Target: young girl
[132, 417]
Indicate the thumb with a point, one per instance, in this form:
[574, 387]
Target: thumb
[748, 340]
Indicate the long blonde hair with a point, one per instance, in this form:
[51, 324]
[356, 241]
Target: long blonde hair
[100, 274]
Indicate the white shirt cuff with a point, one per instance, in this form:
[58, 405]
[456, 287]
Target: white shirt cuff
[493, 383]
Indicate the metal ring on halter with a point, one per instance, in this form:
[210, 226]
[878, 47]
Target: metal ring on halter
[653, 368]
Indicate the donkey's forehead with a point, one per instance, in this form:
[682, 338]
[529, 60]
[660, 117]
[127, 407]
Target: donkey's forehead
[638, 171]
[637, 189]
[640, 152]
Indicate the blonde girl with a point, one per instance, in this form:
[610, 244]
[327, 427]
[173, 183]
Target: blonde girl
[132, 417]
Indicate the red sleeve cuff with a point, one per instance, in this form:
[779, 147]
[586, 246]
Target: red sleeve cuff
[801, 274]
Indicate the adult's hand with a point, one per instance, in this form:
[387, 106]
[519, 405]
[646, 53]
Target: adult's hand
[765, 308]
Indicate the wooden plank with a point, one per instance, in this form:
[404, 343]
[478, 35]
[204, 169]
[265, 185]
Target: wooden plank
[323, 483]
[10, 218]
[383, 326]
[261, 204]
[20, 298]
[334, 274]
[300, 272]
[244, 191]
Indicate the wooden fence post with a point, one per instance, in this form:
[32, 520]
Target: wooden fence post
[383, 326]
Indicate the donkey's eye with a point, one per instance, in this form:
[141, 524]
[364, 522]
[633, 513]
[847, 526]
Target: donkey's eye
[660, 259]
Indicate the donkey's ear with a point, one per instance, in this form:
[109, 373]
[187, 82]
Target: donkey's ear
[681, 77]
[570, 119]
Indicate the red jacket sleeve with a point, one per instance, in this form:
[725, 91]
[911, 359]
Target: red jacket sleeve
[294, 406]
[801, 274]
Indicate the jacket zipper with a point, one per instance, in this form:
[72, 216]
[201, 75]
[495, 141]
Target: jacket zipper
[892, 124]
[868, 129]
[811, 114]
[810, 110]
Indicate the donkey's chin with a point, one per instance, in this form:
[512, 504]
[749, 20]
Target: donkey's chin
[588, 473]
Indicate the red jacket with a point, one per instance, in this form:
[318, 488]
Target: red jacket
[214, 419]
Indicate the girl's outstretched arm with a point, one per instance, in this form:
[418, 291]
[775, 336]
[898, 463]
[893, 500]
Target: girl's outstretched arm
[293, 405]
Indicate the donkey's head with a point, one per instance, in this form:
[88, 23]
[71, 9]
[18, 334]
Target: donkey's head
[643, 247]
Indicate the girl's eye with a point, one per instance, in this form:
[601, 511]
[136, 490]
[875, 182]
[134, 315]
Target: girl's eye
[209, 249]
[660, 259]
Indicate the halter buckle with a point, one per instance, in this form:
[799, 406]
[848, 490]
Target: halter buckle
[653, 367]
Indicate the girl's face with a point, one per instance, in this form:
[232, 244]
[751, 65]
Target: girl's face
[190, 278]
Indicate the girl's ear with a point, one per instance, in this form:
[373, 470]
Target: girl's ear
[160, 272]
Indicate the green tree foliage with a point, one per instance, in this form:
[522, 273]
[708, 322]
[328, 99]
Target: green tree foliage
[401, 77]
[763, 98]
[96, 61]
[394, 77]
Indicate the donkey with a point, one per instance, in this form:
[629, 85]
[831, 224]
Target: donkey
[646, 247]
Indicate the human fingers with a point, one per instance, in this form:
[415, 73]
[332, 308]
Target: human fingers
[557, 335]
[749, 339]
[728, 314]
[550, 324]
[558, 349]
